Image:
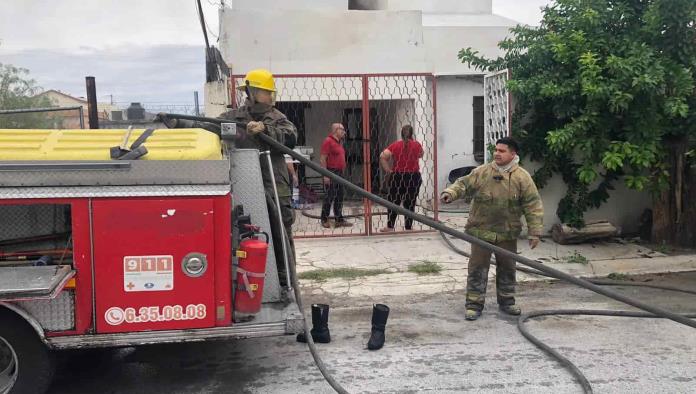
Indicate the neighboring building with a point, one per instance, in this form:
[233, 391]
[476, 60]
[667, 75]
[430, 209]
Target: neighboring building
[323, 49]
[71, 119]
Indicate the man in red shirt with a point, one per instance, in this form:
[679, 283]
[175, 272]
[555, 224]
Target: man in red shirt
[333, 158]
[400, 161]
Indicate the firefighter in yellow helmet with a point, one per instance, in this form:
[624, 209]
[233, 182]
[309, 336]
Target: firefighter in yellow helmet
[261, 116]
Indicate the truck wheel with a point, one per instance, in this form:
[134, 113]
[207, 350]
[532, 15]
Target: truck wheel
[26, 364]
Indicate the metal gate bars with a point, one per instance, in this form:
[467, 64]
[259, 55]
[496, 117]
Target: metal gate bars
[374, 110]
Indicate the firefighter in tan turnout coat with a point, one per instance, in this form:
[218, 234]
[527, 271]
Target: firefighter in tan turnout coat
[261, 116]
[501, 192]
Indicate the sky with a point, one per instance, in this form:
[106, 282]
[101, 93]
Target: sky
[150, 51]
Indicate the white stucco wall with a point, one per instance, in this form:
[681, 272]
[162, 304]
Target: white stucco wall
[623, 209]
[443, 6]
[217, 96]
[443, 44]
[455, 124]
[288, 4]
[316, 41]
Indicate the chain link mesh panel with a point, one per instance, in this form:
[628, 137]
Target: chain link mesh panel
[314, 103]
[26, 229]
[63, 119]
[402, 106]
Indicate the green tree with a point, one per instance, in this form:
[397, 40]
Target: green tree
[19, 92]
[605, 91]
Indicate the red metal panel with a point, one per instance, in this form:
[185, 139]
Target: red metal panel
[139, 244]
[223, 283]
[82, 258]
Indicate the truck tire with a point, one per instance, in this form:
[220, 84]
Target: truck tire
[26, 364]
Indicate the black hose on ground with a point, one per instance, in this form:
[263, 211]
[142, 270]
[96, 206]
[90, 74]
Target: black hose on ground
[466, 237]
[310, 341]
[214, 127]
[305, 213]
[542, 269]
[565, 363]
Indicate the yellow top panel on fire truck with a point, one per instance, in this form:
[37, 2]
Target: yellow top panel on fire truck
[163, 144]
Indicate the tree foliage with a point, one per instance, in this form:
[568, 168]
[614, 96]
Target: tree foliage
[601, 87]
[17, 91]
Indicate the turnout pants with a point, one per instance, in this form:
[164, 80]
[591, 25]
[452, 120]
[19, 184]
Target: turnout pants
[477, 280]
[288, 217]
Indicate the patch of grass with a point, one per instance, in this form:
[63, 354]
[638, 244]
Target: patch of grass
[425, 268]
[321, 275]
[617, 276]
[662, 248]
[575, 258]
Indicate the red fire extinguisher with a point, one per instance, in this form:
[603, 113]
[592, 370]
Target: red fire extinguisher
[251, 272]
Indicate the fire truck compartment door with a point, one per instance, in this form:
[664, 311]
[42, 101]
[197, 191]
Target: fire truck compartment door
[26, 283]
[154, 263]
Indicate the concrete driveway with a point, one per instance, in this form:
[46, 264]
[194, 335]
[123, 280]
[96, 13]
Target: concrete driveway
[430, 348]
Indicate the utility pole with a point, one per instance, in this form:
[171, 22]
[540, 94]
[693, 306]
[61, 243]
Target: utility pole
[195, 103]
[92, 102]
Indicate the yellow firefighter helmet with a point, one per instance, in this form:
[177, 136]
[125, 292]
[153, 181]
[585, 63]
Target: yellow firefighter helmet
[260, 79]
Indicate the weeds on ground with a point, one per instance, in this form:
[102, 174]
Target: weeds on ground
[321, 275]
[617, 276]
[662, 248]
[574, 258]
[425, 268]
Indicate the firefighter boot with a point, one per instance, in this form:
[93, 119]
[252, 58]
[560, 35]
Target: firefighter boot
[320, 325]
[472, 314]
[513, 309]
[380, 313]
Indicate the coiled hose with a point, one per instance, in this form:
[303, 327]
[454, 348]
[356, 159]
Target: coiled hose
[654, 311]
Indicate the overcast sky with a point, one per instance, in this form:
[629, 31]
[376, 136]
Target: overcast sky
[138, 50]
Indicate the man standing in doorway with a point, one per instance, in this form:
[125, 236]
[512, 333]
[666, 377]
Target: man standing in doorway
[502, 192]
[333, 158]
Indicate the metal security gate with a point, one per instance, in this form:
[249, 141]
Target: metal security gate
[497, 106]
[373, 109]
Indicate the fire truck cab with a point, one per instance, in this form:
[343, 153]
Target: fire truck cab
[101, 252]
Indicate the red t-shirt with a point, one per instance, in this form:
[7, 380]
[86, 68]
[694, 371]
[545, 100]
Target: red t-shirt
[335, 154]
[405, 158]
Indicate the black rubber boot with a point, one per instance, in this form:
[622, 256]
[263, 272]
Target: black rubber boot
[380, 313]
[320, 325]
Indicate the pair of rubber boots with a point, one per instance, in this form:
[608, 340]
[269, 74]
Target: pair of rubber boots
[320, 325]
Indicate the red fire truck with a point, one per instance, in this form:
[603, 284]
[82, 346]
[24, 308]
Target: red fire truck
[102, 252]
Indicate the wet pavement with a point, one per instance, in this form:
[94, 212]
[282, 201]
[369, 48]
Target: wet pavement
[429, 348]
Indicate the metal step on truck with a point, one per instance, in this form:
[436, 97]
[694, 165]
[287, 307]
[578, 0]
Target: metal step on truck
[96, 252]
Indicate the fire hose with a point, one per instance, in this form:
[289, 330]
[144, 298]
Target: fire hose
[567, 364]
[653, 311]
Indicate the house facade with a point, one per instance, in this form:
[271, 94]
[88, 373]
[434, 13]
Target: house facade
[71, 119]
[377, 65]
